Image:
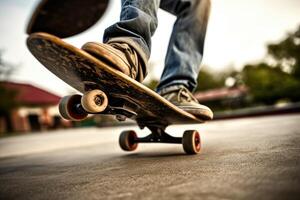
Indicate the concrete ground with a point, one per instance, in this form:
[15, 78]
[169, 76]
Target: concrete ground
[252, 158]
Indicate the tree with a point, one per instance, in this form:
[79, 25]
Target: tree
[269, 84]
[6, 69]
[7, 102]
[286, 53]
[209, 80]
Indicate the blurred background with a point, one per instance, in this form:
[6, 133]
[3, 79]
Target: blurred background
[251, 63]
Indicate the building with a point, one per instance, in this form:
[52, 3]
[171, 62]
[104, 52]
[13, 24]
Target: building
[224, 98]
[35, 109]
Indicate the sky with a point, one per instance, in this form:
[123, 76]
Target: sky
[237, 34]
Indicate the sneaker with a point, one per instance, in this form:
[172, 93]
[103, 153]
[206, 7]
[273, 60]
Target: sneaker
[183, 98]
[120, 56]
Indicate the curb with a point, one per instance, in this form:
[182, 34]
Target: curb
[259, 111]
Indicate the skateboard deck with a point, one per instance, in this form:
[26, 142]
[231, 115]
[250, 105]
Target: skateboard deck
[124, 97]
[65, 18]
[84, 72]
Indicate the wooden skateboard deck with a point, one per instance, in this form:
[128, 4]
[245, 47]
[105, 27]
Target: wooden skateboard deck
[118, 94]
[65, 18]
[84, 72]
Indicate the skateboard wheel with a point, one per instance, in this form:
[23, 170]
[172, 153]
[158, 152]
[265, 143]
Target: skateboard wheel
[191, 142]
[68, 108]
[127, 140]
[94, 101]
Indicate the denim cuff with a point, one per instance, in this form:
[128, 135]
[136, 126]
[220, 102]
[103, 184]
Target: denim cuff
[144, 57]
[170, 89]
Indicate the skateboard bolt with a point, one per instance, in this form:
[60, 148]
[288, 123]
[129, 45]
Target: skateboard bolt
[98, 100]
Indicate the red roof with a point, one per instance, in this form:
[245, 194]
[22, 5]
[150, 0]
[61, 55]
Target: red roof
[221, 93]
[30, 95]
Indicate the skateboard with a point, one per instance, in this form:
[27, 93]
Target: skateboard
[105, 90]
[65, 18]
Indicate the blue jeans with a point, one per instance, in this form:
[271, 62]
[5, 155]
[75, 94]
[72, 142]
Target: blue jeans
[138, 23]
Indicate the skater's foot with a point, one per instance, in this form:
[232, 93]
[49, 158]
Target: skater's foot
[120, 56]
[183, 98]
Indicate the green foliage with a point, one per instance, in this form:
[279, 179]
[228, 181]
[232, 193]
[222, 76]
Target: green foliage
[269, 84]
[206, 80]
[209, 80]
[286, 53]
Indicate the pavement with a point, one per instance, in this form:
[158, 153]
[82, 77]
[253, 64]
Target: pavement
[250, 158]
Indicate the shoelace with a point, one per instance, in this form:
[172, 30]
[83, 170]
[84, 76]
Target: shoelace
[183, 92]
[127, 52]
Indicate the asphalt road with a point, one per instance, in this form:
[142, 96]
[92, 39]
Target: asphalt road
[254, 158]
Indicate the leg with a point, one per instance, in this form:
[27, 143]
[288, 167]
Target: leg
[185, 51]
[137, 24]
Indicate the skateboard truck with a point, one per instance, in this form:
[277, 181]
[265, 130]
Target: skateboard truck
[77, 107]
[190, 141]
[160, 136]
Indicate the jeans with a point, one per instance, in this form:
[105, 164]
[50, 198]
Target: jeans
[138, 23]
